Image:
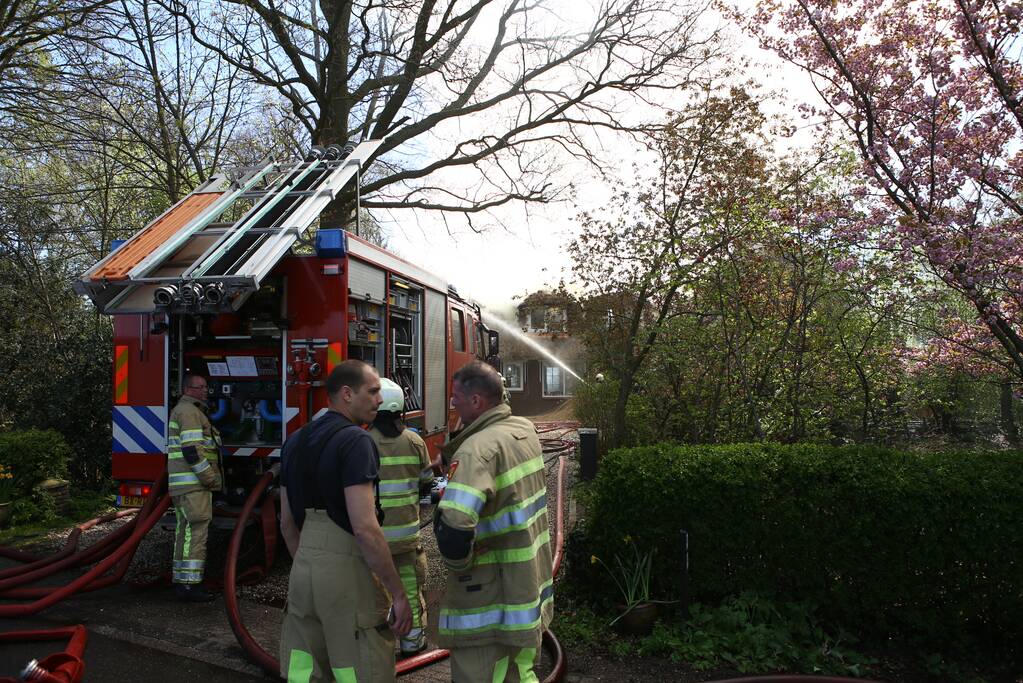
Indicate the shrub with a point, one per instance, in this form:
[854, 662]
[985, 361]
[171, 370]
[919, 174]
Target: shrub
[927, 546]
[35, 507]
[34, 455]
[64, 386]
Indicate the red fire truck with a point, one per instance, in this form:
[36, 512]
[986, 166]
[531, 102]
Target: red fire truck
[225, 284]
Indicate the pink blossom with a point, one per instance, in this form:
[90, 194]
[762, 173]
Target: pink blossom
[917, 85]
[844, 265]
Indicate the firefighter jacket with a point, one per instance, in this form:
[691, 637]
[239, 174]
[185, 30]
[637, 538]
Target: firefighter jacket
[190, 426]
[502, 592]
[402, 459]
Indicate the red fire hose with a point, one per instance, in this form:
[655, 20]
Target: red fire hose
[68, 556]
[60, 667]
[270, 664]
[50, 595]
[245, 639]
[67, 666]
[70, 546]
[116, 548]
[794, 678]
[562, 425]
[559, 518]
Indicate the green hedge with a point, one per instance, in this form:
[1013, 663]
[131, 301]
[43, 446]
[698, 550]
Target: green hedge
[925, 546]
[34, 455]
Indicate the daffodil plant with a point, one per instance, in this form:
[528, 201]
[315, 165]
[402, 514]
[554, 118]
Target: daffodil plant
[632, 576]
[6, 484]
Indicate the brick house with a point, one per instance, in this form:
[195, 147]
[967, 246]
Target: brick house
[537, 384]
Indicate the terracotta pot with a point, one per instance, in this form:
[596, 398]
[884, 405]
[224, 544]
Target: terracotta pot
[5, 515]
[639, 620]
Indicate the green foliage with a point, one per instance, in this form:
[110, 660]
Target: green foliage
[34, 455]
[594, 402]
[57, 381]
[34, 515]
[55, 353]
[35, 507]
[754, 634]
[920, 545]
[780, 332]
[941, 668]
[87, 504]
[577, 625]
[748, 632]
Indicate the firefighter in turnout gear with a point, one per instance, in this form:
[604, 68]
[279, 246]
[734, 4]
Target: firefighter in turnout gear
[492, 530]
[404, 460]
[193, 473]
[337, 626]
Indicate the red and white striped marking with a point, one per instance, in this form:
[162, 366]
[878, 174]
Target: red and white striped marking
[253, 452]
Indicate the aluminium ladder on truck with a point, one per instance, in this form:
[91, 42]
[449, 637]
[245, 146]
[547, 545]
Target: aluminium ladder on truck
[211, 250]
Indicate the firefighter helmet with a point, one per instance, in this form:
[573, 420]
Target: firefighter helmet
[393, 398]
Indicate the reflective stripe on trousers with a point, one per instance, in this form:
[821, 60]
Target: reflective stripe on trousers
[494, 664]
[301, 669]
[193, 512]
[412, 571]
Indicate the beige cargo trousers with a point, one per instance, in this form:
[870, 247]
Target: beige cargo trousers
[193, 512]
[495, 663]
[335, 623]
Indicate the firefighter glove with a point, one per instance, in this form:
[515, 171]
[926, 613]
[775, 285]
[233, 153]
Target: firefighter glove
[454, 544]
[191, 456]
[207, 474]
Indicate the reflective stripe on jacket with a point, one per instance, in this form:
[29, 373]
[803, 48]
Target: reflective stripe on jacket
[503, 591]
[189, 426]
[402, 458]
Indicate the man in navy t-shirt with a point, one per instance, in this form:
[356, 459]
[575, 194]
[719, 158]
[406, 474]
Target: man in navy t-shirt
[336, 626]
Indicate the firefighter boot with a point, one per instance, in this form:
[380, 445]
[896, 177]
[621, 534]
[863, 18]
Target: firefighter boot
[413, 643]
[192, 592]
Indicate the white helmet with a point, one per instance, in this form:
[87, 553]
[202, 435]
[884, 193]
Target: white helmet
[392, 395]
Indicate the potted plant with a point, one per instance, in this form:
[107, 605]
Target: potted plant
[6, 493]
[631, 574]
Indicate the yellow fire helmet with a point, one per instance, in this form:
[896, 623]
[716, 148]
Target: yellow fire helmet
[392, 395]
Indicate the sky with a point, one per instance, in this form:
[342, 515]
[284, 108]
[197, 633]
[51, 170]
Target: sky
[500, 266]
[496, 268]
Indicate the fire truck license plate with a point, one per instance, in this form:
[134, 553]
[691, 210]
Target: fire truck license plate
[130, 501]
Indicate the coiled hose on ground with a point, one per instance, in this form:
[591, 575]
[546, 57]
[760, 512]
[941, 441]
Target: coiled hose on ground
[116, 549]
[117, 557]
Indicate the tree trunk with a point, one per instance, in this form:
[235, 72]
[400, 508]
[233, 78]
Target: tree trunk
[618, 424]
[865, 414]
[1008, 414]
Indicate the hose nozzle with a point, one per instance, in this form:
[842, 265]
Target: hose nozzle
[164, 296]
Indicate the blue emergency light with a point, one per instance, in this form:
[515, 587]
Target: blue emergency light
[331, 243]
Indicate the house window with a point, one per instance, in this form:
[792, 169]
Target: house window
[556, 382]
[537, 318]
[555, 319]
[513, 376]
